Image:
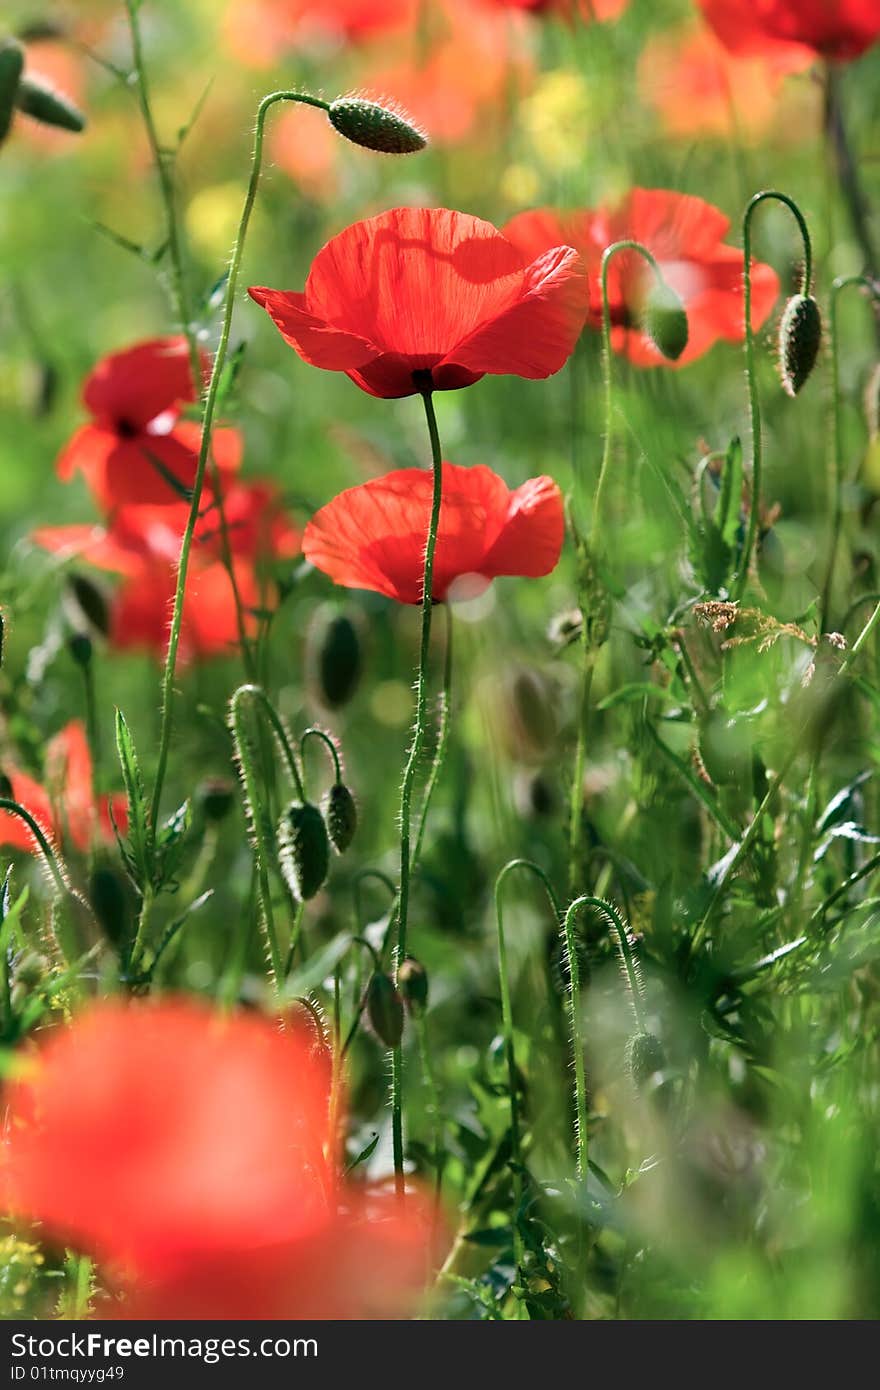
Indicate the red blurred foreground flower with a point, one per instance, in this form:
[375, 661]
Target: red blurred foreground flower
[191, 1154]
[373, 536]
[584, 10]
[685, 235]
[142, 543]
[136, 440]
[65, 808]
[425, 298]
[839, 29]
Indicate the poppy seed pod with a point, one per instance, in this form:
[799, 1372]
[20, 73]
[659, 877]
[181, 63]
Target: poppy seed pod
[385, 1009]
[334, 657]
[36, 98]
[340, 814]
[303, 849]
[800, 333]
[375, 127]
[412, 981]
[644, 1056]
[11, 68]
[665, 322]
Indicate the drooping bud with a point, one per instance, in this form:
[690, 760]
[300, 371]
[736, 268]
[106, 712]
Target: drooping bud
[340, 814]
[644, 1056]
[86, 605]
[386, 129]
[800, 333]
[412, 981]
[665, 321]
[385, 1009]
[36, 98]
[303, 849]
[11, 68]
[334, 658]
[216, 796]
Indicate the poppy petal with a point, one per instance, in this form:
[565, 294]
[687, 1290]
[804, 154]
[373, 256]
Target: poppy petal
[531, 539]
[316, 341]
[140, 383]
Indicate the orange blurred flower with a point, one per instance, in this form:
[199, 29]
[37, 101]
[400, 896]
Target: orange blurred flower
[65, 808]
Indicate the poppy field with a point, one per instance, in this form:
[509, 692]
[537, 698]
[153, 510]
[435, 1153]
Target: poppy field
[439, 660]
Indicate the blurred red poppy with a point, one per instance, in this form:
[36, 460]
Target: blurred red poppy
[66, 808]
[191, 1154]
[427, 295]
[373, 536]
[260, 32]
[568, 9]
[839, 29]
[684, 234]
[136, 439]
[699, 87]
[142, 543]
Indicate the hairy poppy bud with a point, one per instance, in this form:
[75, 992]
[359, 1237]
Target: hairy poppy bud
[36, 98]
[375, 127]
[216, 796]
[333, 657]
[11, 68]
[412, 981]
[665, 321]
[385, 1009]
[80, 647]
[303, 849]
[800, 333]
[644, 1056]
[86, 605]
[340, 813]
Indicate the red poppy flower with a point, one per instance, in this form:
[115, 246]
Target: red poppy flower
[191, 1154]
[685, 235]
[258, 32]
[373, 536]
[142, 543]
[568, 9]
[841, 29]
[66, 807]
[699, 87]
[136, 438]
[424, 292]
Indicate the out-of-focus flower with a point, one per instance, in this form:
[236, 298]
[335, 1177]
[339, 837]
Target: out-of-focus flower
[304, 144]
[136, 437]
[685, 235]
[260, 32]
[425, 296]
[839, 29]
[54, 63]
[373, 536]
[584, 10]
[191, 1154]
[142, 544]
[64, 805]
[699, 87]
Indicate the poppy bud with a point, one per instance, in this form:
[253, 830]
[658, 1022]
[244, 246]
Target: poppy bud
[334, 657]
[412, 981]
[644, 1056]
[111, 903]
[86, 605]
[11, 68]
[800, 333]
[36, 98]
[80, 647]
[665, 321]
[385, 1009]
[872, 404]
[216, 796]
[303, 849]
[375, 127]
[340, 813]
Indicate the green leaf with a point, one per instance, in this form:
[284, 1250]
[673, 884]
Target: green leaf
[140, 840]
[364, 1154]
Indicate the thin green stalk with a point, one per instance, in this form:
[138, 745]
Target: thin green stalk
[207, 429]
[837, 479]
[257, 693]
[47, 853]
[509, 1044]
[328, 744]
[257, 825]
[749, 339]
[445, 699]
[406, 791]
[577, 1044]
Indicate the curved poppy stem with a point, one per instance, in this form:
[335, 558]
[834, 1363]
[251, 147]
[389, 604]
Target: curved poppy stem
[841, 283]
[509, 1044]
[257, 694]
[207, 431]
[749, 340]
[574, 1007]
[47, 853]
[325, 738]
[412, 762]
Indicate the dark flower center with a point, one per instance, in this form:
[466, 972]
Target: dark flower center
[126, 429]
